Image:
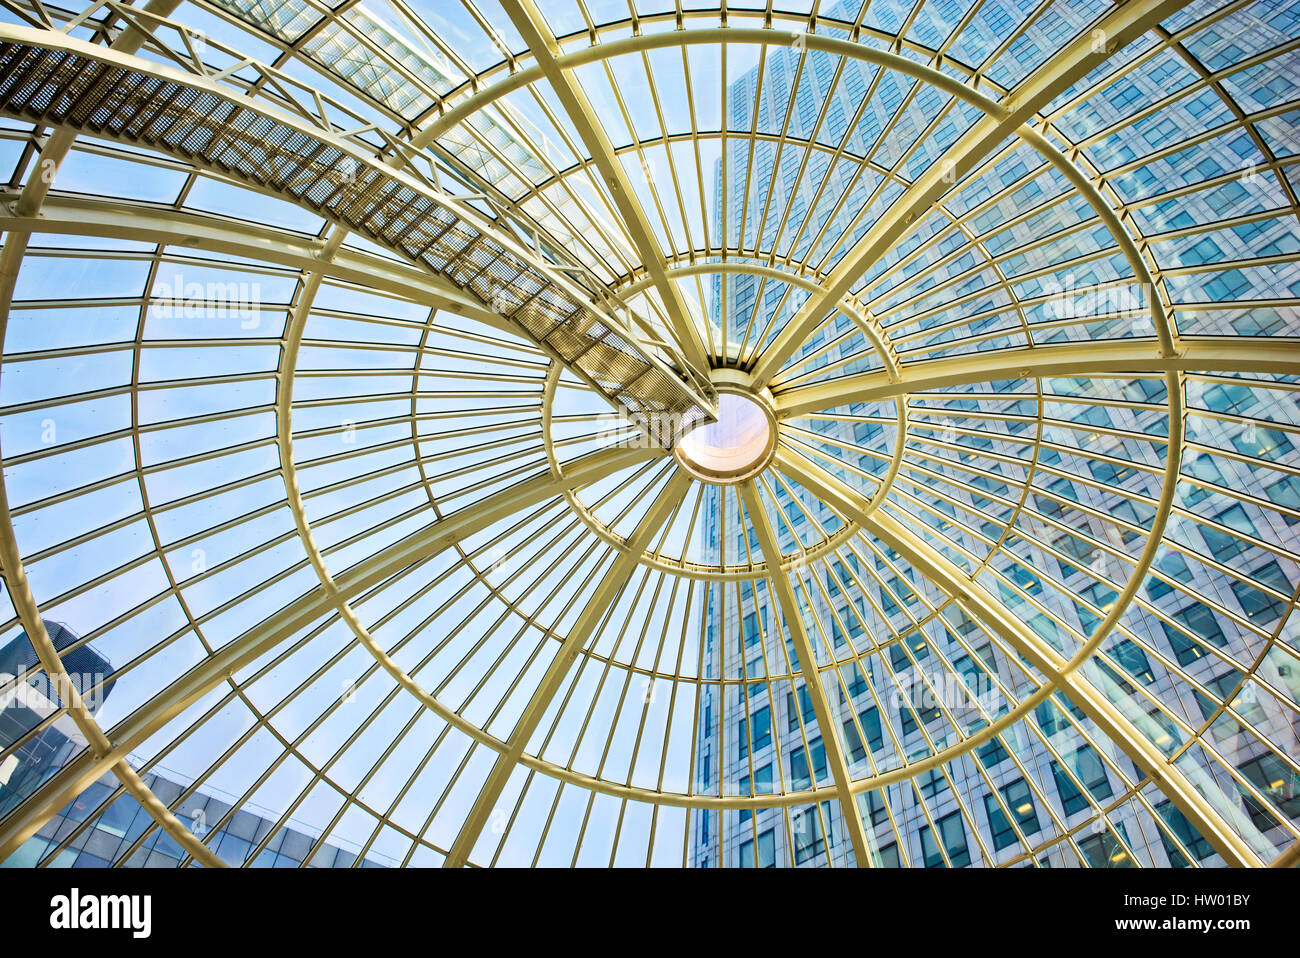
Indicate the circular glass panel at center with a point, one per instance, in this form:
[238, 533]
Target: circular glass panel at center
[735, 447]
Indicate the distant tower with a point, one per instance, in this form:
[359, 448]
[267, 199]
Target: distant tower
[33, 705]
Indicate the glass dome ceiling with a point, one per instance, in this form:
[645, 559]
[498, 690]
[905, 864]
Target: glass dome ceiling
[345, 352]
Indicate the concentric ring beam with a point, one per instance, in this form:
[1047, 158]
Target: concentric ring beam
[1126, 22]
[51, 78]
[1117, 29]
[536, 33]
[976, 601]
[79, 774]
[865, 323]
[779, 582]
[612, 583]
[1028, 362]
[643, 42]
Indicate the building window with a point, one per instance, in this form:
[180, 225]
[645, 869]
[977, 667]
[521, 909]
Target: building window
[908, 718]
[1107, 851]
[805, 709]
[762, 786]
[1191, 839]
[1221, 685]
[1091, 771]
[887, 857]
[932, 783]
[1201, 623]
[1279, 783]
[766, 851]
[1133, 660]
[1261, 608]
[806, 827]
[869, 718]
[1163, 731]
[1051, 719]
[1020, 800]
[992, 752]
[856, 683]
[953, 833]
[857, 752]
[799, 764]
[760, 731]
[877, 812]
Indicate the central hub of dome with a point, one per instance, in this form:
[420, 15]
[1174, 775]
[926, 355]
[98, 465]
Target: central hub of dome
[735, 447]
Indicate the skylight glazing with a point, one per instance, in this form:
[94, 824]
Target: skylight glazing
[309, 535]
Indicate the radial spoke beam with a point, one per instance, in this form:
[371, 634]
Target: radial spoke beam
[82, 772]
[779, 581]
[611, 585]
[977, 602]
[1067, 360]
[532, 26]
[1112, 32]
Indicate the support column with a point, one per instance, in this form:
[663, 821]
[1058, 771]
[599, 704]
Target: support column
[779, 581]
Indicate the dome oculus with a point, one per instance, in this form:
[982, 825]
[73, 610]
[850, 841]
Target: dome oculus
[734, 448]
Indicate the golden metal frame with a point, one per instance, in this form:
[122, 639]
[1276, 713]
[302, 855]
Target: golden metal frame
[689, 346]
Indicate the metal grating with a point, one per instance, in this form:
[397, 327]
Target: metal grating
[58, 87]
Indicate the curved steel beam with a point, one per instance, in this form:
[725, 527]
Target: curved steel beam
[1001, 119]
[537, 35]
[11, 565]
[80, 773]
[53, 79]
[98, 744]
[1061, 673]
[1117, 29]
[645, 42]
[865, 322]
[183, 229]
[612, 583]
[1028, 362]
